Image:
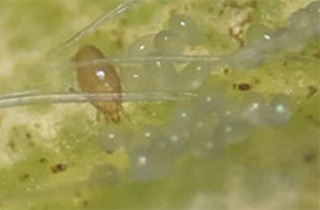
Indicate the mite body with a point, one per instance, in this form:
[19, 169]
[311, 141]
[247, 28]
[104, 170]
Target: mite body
[99, 77]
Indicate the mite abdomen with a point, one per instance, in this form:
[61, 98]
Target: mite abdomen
[98, 77]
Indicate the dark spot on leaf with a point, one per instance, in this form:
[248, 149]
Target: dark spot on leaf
[12, 145]
[311, 91]
[109, 152]
[71, 90]
[42, 160]
[257, 81]
[226, 71]
[242, 86]
[24, 177]
[317, 55]
[85, 203]
[309, 158]
[59, 168]
[28, 135]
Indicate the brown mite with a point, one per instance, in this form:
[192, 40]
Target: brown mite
[99, 77]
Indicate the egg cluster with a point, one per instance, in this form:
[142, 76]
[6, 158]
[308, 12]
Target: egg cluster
[205, 125]
[202, 127]
[264, 43]
[159, 74]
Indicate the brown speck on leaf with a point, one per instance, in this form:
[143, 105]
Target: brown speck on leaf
[226, 71]
[257, 81]
[59, 168]
[317, 55]
[12, 145]
[310, 157]
[311, 91]
[24, 177]
[109, 152]
[186, 7]
[85, 203]
[118, 34]
[42, 160]
[28, 135]
[71, 89]
[243, 86]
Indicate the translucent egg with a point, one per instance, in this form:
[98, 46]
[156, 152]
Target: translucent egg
[279, 110]
[142, 46]
[110, 139]
[183, 115]
[203, 125]
[299, 19]
[193, 76]
[154, 159]
[146, 168]
[258, 32]
[210, 148]
[212, 99]
[137, 79]
[289, 40]
[231, 132]
[150, 163]
[260, 112]
[245, 58]
[231, 111]
[186, 29]
[146, 135]
[167, 43]
[303, 18]
[220, 136]
[175, 140]
[202, 142]
[163, 74]
[255, 110]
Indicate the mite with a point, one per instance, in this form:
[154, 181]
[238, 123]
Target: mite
[99, 77]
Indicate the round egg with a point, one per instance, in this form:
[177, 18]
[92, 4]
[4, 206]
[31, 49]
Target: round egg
[258, 32]
[168, 43]
[163, 73]
[254, 109]
[212, 98]
[194, 74]
[142, 46]
[110, 139]
[135, 79]
[279, 110]
[186, 29]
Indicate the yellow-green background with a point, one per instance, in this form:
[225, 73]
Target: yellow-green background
[276, 168]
